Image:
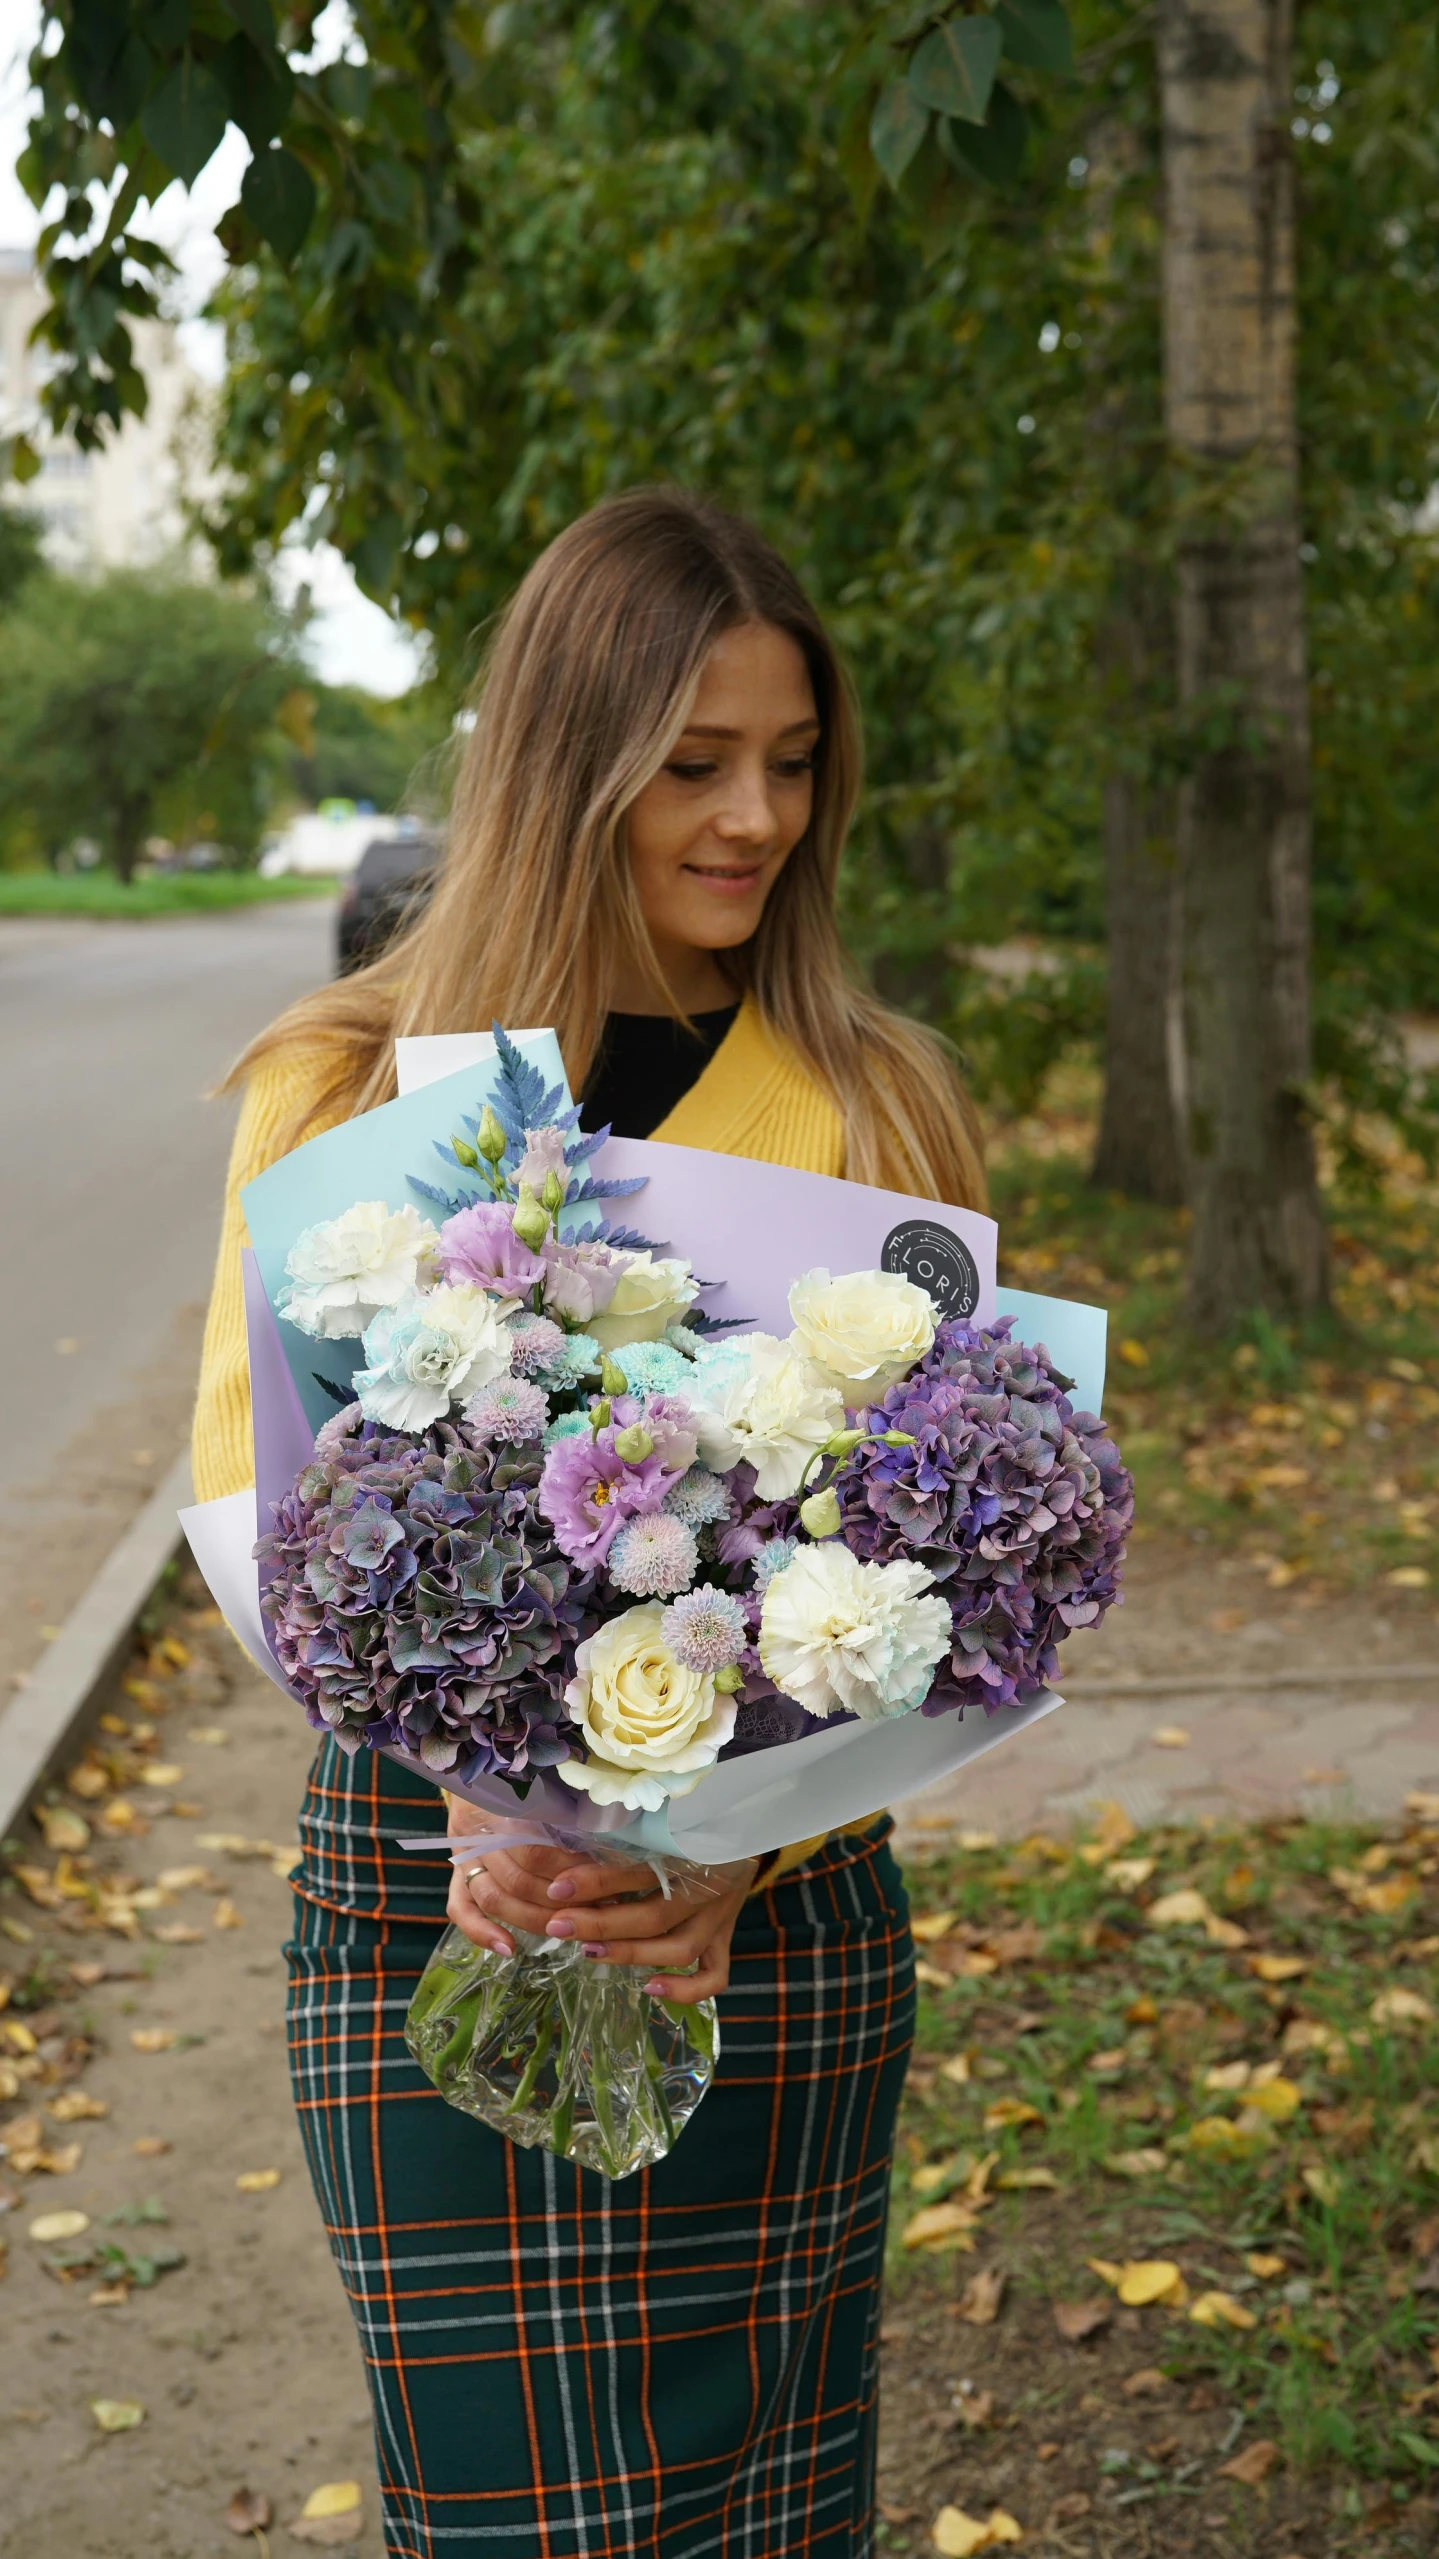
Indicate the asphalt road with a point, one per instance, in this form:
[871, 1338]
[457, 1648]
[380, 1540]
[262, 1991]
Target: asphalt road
[112, 1163]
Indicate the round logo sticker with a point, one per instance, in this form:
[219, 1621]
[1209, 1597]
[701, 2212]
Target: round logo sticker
[935, 1259]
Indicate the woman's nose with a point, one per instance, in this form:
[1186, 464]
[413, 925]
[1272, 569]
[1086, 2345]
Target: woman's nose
[748, 815]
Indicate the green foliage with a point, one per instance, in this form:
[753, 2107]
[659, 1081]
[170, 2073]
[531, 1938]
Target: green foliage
[362, 748]
[136, 704]
[19, 552]
[101, 894]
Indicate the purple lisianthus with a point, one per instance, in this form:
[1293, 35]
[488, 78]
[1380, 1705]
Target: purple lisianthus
[587, 1489]
[544, 1154]
[670, 1422]
[481, 1245]
[580, 1279]
[1017, 1504]
[417, 1599]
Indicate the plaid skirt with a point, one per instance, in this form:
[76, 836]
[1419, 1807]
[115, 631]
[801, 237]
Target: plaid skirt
[680, 2365]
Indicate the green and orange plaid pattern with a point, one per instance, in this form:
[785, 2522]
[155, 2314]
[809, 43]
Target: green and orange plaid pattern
[679, 2366]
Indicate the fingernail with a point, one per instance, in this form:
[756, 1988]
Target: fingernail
[559, 1928]
[596, 1950]
[656, 1989]
[562, 1889]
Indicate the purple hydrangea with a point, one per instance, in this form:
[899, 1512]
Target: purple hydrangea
[1018, 1505]
[417, 1598]
[652, 1556]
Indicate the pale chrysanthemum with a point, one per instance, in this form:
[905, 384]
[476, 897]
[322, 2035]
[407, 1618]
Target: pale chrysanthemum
[699, 1498]
[772, 1559]
[511, 1408]
[535, 1345]
[706, 1628]
[654, 1556]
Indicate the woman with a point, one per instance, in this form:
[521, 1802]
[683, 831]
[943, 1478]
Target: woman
[643, 852]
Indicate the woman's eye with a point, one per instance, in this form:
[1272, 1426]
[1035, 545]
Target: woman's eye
[794, 767]
[691, 772]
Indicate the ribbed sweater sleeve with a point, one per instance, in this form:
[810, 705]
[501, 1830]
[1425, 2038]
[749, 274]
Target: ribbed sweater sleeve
[282, 1105]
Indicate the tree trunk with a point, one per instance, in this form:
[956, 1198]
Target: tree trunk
[1227, 89]
[1138, 1150]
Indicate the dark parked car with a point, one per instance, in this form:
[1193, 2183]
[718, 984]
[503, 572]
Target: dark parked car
[394, 874]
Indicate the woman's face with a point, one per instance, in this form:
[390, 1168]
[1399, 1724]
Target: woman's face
[709, 836]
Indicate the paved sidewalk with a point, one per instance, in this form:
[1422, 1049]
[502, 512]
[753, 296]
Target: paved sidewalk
[1243, 1715]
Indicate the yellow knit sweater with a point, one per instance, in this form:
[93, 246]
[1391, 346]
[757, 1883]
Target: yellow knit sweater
[754, 1098]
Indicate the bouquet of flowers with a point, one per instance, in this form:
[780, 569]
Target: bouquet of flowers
[570, 1545]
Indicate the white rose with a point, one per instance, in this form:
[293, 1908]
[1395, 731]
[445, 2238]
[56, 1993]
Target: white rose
[340, 1273]
[842, 1637]
[652, 1294]
[771, 1408]
[431, 1352]
[652, 1726]
[866, 1329]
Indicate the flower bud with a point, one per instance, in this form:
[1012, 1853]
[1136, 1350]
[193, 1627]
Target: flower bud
[843, 1442]
[599, 1412]
[491, 1137]
[553, 1195]
[729, 1680]
[613, 1380]
[898, 1439]
[634, 1445]
[465, 1154]
[820, 1514]
[530, 1222]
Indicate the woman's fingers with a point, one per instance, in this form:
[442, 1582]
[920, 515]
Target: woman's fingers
[464, 1913]
[711, 1977]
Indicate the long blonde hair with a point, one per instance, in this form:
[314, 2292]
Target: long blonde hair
[586, 688]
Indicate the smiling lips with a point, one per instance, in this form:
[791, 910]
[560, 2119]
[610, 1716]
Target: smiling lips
[727, 883]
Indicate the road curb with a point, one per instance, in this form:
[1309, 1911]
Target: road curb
[44, 1716]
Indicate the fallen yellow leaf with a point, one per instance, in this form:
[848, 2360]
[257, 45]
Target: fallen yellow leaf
[1220, 2137]
[976, 1840]
[337, 2497]
[161, 1772]
[1128, 1873]
[1151, 2279]
[1276, 2098]
[929, 1926]
[184, 1879]
[51, 2227]
[1401, 2008]
[936, 2223]
[957, 2535]
[1115, 1831]
[1227, 2076]
[1136, 2163]
[956, 2070]
[1264, 2266]
[1015, 2180]
[257, 2181]
[979, 2302]
[1183, 1909]
[64, 1831]
[153, 2039]
[1322, 2183]
[225, 1914]
[1010, 2110]
[1408, 1577]
[1220, 2309]
[117, 2416]
[1134, 1354]
[1171, 1737]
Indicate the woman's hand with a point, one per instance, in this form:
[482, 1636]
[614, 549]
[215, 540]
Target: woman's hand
[683, 1940]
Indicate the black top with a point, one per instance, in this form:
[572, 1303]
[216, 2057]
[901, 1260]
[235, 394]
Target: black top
[646, 1064]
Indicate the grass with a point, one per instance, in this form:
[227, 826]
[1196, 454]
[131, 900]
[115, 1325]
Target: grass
[1315, 1454]
[99, 894]
[1246, 2097]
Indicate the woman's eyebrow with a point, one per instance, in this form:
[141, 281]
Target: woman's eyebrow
[796, 728]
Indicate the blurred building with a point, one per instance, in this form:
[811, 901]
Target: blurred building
[122, 506]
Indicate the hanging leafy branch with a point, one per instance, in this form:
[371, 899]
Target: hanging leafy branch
[361, 161]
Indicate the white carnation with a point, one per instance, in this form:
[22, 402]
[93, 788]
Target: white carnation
[865, 1329]
[431, 1352]
[763, 1403]
[341, 1273]
[842, 1637]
